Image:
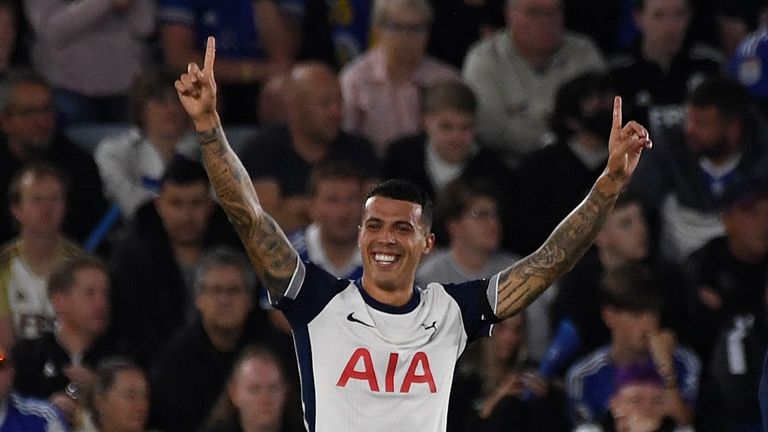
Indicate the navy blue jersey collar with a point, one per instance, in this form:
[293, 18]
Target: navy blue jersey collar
[404, 309]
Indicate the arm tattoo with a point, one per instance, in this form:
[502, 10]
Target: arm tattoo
[524, 281]
[273, 258]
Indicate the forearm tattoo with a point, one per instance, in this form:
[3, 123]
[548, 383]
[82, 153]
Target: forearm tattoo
[273, 258]
[523, 282]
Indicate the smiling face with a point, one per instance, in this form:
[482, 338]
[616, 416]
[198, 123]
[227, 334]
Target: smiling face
[392, 239]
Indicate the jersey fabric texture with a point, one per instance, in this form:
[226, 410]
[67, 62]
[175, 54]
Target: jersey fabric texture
[369, 366]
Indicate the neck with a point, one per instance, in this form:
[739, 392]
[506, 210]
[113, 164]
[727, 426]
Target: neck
[224, 340]
[608, 261]
[400, 70]
[39, 251]
[338, 253]
[656, 56]
[470, 259]
[74, 341]
[187, 253]
[391, 297]
[258, 428]
[165, 144]
[623, 357]
[311, 150]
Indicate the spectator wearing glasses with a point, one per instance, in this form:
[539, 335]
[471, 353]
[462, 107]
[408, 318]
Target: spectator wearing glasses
[182, 396]
[381, 89]
[29, 134]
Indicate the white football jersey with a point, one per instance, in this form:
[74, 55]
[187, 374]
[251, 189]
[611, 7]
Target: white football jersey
[369, 366]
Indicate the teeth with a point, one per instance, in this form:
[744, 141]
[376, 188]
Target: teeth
[384, 258]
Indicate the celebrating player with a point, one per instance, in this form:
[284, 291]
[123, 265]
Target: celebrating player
[379, 353]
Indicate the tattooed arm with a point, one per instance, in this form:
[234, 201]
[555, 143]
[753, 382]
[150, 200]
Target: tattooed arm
[523, 282]
[273, 258]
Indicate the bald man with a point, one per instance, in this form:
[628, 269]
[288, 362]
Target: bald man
[281, 157]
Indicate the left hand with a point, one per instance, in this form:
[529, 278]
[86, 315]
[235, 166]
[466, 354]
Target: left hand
[624, 146]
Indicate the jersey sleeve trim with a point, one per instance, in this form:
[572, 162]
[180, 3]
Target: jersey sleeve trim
[492, 294]
[297, 280]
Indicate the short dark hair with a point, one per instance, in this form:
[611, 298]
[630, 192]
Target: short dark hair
[222, 256]
[106, 375]
[632, 287]
[403, 190]
[183, 171]
[727, 95]
[334, 169]
[454, 199]
[152, 84]
[451, 94]
[63, 277]
[570, 96]
[37, 169]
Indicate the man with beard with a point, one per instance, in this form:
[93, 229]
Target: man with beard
[683, 182]
[29, 134]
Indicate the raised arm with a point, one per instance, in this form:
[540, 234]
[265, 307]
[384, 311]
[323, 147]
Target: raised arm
[523, 282]
[273, 258]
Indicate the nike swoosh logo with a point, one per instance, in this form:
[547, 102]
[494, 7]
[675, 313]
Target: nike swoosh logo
[351, 318]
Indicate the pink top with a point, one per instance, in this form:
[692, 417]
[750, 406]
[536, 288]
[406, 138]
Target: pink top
[382, 110]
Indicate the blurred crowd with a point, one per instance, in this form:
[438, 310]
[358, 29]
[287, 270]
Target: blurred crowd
[126, 302]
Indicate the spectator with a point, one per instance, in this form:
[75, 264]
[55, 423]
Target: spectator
[37, 199]
[631, 303]
[60, 364]
[90, 52]
[262, 38]
[516, 72]
[553, 179]
[497, 388]
[119, 399]
[750, 61]
[29, 134]
[683, 181]
[255, 396]
[470, 212]
[729, 311]
[132, 164]
[382, 88]
[280, 158]
[637, 404]
[623, 240]
[656, 73]
[331, 240]
[182, 395]
[448, 146]
[20, 413]
[153, 263]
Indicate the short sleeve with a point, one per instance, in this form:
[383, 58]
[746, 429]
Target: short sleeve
[310, 290]
[475, 300]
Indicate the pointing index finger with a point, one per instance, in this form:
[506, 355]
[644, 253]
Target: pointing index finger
[617, 113]
[210, 54]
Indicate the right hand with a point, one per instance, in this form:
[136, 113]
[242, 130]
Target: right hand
[66, 405]
[197, 90]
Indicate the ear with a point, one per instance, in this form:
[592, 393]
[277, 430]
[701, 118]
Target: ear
[429, 243]
[608, 314]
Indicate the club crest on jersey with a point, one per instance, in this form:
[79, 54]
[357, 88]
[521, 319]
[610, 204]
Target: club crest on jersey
[360, 367]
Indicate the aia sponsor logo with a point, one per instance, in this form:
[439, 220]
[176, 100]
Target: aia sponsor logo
[360, 367]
